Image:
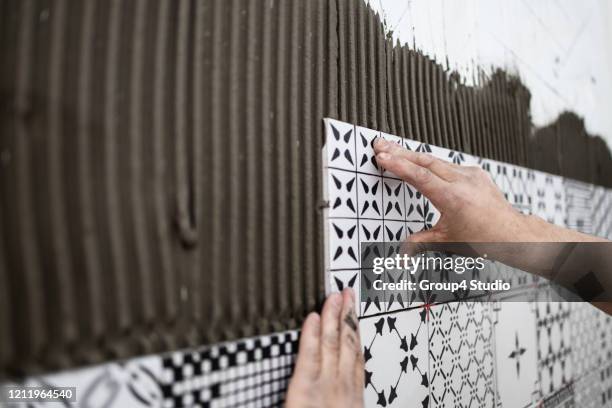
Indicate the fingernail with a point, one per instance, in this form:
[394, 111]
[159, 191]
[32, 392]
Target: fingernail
[383, 156]
[314, 316]
[351, 293]
[336, 299]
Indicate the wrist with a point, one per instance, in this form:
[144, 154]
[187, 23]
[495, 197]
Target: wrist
[532, 228]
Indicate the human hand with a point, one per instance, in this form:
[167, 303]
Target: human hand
[329, 371]
[472, 207]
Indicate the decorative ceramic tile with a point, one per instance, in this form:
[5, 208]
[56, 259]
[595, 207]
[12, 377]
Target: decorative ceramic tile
[547, 196]
[463, 159]
[554, 346]
[372, 302]
[366, 161]
[413, 227]
[520, 196]
[512, 181]
[342, 195]
[395, 299]
[340, 145]
[601, 212]
[248, 372]
[346, 279]
[430, 214]
[370, 196]
[395, 353]
[393, 139]
[578, 205]
[461, 359]
[516, 354]
[370, 231]
[477, 354]
[413, 204]
[411, 144]
[589, 391]
[394, 205]
[343, 243]
[395, 231]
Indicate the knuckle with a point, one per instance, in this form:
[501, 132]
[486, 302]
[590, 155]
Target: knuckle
[423, 175]
[330, 340]
[425, 160]
[349, 341]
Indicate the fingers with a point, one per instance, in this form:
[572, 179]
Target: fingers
[350, 346]
[446, 171]
[428, 183]
[425, 236]
[309, 355]
[330, 335]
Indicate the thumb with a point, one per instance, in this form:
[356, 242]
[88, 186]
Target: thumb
[421, 241]
[426, 236]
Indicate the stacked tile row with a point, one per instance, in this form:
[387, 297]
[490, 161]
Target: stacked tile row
[476, 353]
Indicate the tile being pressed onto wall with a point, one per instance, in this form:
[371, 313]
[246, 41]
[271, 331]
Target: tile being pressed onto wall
[340, 145]
[343, 243]
[372, 302]
[366, 161]
[396, 362]
[394, 205]
[370, 196]
[393, 139]
[342, 195]
[461, 355]
[339, 280]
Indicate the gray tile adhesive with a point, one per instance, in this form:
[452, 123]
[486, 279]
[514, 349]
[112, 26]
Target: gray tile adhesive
[160, 162]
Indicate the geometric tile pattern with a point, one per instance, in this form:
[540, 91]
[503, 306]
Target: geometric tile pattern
[247, 372]
[461, 359]
[480, 354]
[364, 203]
[395, 353]
[488, 354]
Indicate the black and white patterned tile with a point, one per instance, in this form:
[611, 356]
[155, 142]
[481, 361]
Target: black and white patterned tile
[578, 205]
[531, 347]
[248, 372]
[547, 196]
[516, 350]
[553, 336]
[340, 146]
[601, 212]
[396, 363]
[366, 162]
[370, 195]
[461, 355]
[344, 244]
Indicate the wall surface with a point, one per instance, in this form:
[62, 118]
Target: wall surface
[561, 49]
[160, 181]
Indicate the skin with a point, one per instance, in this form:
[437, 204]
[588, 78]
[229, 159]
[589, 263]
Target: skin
[329, 371]
[469, 197]
[330, 368]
